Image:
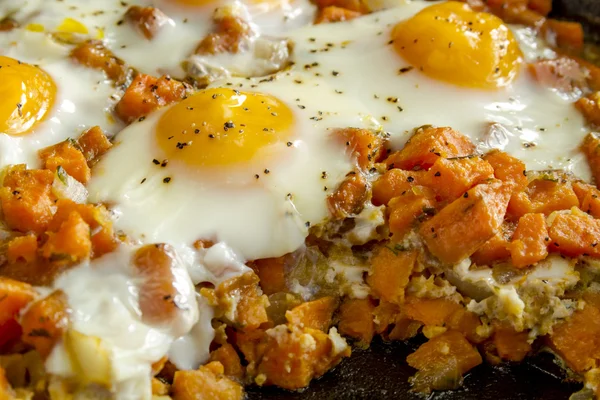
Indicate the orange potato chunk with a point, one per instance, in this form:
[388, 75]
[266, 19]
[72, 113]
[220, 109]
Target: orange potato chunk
[206, 383]
[350, 196]
[146, 94]
[22, 248]
[352, 5]
[563, 74]
[591, 149]
[390, 271]
[147, 20]
[94, 54]
[230, 360]
[356, 319]
[450, 178]
[574, 235]
[251, 307]
[407, 211]
[589, 198]
[442, 361]
[45, 322]
[511, 345]
[568, 34]
[508, 169]
[543, 196]
[71, 242]
[14, 296]
[394, 183]
[427, 145]
[530, 241]
[66, 155]
[228, 36]
[430, 311]
[332, 14]
[495, 249]
[27, 203]
[271, 272]
[365, 145]
[94, 144]
[466, 224]
[314, 314]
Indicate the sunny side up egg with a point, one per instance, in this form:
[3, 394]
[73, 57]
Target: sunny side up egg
[45, 98]
[251, 161]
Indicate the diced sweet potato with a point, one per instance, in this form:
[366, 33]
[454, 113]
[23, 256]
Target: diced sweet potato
[390, 271]
[97, 217]
[591, 149]
[450, 178]
[430, 311]
[70, 243]
[404, 328]
[230, 360]
[427, 145]
[544, 196]
[159, 387]
[510, 344]
[395, 182]
[22, 248]
[158, 290]
[314, 314]
[249, 344]
[589, 106]
[352, 5]
[575, 234]
[14, 296]
[147, 20]
[27, 203]
[271, 272]
[495, 249]
[147, 93]
[365, 145]
[206, 383]
[508, 169]
[541, 6]
[45, 322]
[335, 14]
[6, 392]
[442, 361]
[563, 74]
[407, 211]
[589, 198]
[350, 196]
[465, 322]
[250, 310]
[293, 357]
[577, 340]
[568, 34]
[460, 228]
[94, 54]
[93, 143]
[356, 319]
[228, 36]
[530, 240]
[66, 155]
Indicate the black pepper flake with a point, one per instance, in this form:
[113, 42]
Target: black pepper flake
[167, 179]
[307, 224]
[335, 73]
[266, 171]
[180, 145]
[324, 188]
[164, 163]
[556, 244]
[289, 144]
[392, 99]
[438, 174]
[410, 179]
[404, 70]
[524, 173]
[265, 129]
[547, 239]
[141, 119]
[155, 161]
[211, 136]
[143, 180]
[466, 195]
[196, 130]
[256, 176]
[300, 106]
[324, 175]
[594, 244]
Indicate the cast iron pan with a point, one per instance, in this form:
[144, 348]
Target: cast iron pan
[381, 371]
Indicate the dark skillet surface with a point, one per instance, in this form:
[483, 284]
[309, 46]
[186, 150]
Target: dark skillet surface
[381, 371]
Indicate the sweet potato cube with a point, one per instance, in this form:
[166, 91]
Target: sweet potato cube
[394, 183]
[93, 143]
[22, 248]
[530, 240]
[350, 196]
[147, 20]
[450, 178]
[271, 272]
[591, 149]
[332, 14]
[460, 228]
[66, 155]
[589, 198]
[251, 307]
[568, 34]
[406, 211]
[430, 311]
[365, 145]
[563, 74]
[94, 54]
[356, 319]
[508, 169]
[495, 249]
[442, 361]
[206, 383]
[230, 360]
[390, 271]
[314, 314]
[427, 145]
[575, 234]
[510, 344]
[14, 296]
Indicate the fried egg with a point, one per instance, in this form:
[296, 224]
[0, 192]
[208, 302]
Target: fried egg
[45, 98]
[251, 161]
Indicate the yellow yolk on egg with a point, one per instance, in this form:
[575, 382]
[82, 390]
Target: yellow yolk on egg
[26, 95]
[223, 127]
[452, 43]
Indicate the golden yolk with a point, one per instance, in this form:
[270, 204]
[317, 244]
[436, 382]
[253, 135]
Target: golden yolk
[452, 43]
[221, 127]
[26, 95]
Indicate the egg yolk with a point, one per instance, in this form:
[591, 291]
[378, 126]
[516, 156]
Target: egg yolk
[26, 95]
[223, 127]
[452, 43]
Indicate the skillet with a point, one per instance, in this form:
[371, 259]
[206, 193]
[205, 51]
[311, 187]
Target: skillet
[381, 371]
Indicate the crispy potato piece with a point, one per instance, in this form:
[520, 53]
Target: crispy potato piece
[450, 178]
[332, 14]
[530, 241]
[250, 309]
[45, 322]
[27, 202]
[71, 243]
[228, 36]
[589, 198]
[394, 183]
[271, 272]
[230, 360]
[460, 228]
[147, 93]
[94, 144]
[94, 54]
[433, 312]
[591, 149]
[66, 155]
[356, 319]
[510, 344]
[22, 248]
[428, 144]
[350, 196]
[147, 20]
[390, 271]
[206, 383]
[575, 234]
[407, 211]
[316, 314]
[495, 249]
[365, 145]
[14, 296]
[508, 169]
